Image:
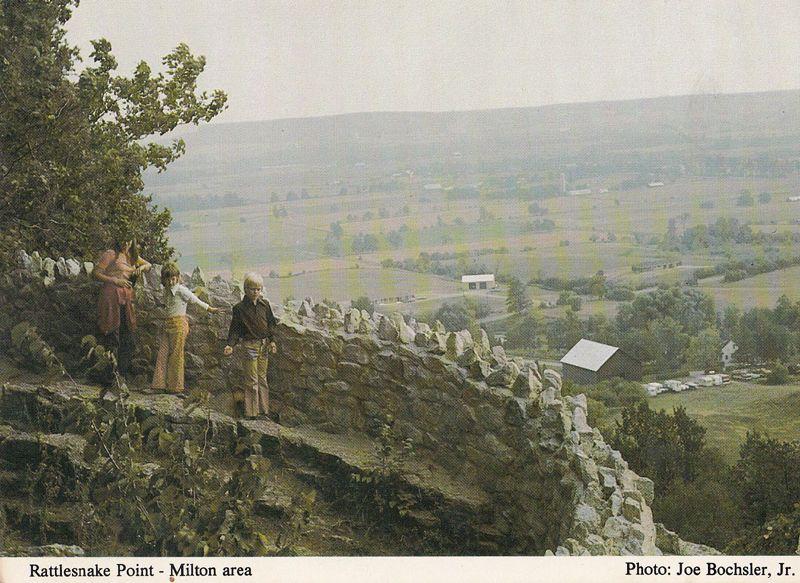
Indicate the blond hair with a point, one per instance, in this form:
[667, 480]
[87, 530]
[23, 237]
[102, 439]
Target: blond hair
[253, 278]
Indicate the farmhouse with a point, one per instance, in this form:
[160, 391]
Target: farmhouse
[481, 281]
[727, 353]
[589, 362]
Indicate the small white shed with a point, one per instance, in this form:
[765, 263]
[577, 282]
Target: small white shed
[479, 281]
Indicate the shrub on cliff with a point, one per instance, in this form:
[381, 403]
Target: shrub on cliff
[71, 144]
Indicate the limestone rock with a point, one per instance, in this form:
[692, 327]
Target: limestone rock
[526, 385]
[457, 343]
[49, 267]
[405, 333]
[480, 369]
[321, 311]
[631, 509]
[24, 260]
[586, 515]
[73, 268]
[553, 379]
[198, 278]
[88, 267]
[499, 357]
[36, 263]
[387, 330]
[504, 376]
[61, 267]
[469, 356]
[352, 321]
[485, 346]
[579, 422]
[439, 327]
[366, 325]
[153, 277]
[608, 480]
[514, 412]
[55, 550]
[646, 488]
[305, 310]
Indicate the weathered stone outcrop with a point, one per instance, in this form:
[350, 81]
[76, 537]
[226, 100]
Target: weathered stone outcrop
[548, 481]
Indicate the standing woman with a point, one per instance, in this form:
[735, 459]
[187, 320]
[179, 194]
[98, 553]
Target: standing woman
[118, 269]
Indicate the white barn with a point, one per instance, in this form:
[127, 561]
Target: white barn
[480, 281]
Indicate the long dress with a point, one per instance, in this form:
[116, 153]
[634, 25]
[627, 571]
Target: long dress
[116, 317]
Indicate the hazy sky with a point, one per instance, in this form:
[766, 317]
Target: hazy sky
[297, 59]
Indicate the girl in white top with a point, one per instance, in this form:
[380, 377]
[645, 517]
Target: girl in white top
[177, 296]
[169, 371]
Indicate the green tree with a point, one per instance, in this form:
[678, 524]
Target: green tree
[517, 300]
[597, 285]
[455, 316]
[778, 374]
[526, 332]
[768, 477]
[703, 351]
[363, 303]
[660, 446]
[745, 198]
[73, 145]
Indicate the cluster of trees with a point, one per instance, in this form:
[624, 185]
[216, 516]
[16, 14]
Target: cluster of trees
[212, 201]
[452, 264]
[536, 210]
[365, 243]
[540, 226]
[723, 233]
[597, 285]
[674, 329]
[461, 314]
[752, 507]
[746, 198]
[742, 269]
[73, 145]
[667, 329]
[763, 334]
[571, 299]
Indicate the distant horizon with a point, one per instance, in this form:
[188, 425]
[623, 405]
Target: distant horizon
[304, 59]
[217, 122]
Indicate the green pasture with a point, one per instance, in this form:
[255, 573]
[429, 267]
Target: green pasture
[758, 291]
[728, 412]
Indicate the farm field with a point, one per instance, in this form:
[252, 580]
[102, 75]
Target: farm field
[758, 291]
[235, 239]
[343, 285]
[728, 412]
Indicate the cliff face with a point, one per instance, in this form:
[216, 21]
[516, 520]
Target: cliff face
[498, 449]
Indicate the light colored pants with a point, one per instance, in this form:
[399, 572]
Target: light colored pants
[170, 360]
[256, 390]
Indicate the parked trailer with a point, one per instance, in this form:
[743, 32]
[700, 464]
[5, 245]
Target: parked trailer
[654, 389]
[706, 380]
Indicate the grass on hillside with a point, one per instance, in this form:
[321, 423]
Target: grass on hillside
[728, 412]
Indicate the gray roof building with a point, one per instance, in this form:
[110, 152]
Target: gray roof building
[589, 362]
